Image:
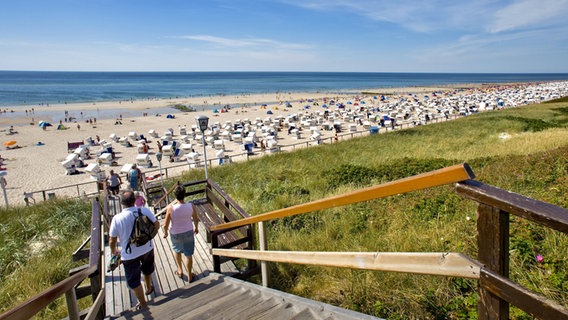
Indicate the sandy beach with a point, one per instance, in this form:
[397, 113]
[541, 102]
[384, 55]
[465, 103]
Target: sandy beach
[36, 163]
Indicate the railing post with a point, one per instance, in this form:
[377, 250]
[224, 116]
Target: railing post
[262, 247]
[72, 307]
[216, 258]
[493, 252]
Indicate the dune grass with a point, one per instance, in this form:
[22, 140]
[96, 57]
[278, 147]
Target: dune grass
[36, 244]
[524, 150]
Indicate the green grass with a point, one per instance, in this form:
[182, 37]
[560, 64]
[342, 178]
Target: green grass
[532, 160]
[36, 244]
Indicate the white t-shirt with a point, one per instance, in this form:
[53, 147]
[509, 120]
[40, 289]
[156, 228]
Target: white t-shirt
[121, 227]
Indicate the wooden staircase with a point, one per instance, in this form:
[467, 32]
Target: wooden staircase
[220, 297]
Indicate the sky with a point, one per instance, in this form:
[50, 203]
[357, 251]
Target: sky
[472, 36]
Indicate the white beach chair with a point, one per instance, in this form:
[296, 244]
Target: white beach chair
[352, 127]
[219, 144]
[133, 136]
[94, 170]
[187, 147]
[168, 150]
[124, 142]
[82, 152]
[272, 145]
[70, 166]
[113, 137]
[153, 133]
[126, 168]
[182, 131]
[105, 159]
[193, 159]
[143, 160]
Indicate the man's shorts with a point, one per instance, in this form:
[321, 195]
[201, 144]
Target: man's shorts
[142, 264]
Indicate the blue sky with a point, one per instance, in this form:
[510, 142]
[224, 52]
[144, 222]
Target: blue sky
[285, 35]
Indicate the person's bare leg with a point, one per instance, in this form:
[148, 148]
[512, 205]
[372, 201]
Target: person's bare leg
[188, 265]
[139, 293]
[177, 257]
[148, 281]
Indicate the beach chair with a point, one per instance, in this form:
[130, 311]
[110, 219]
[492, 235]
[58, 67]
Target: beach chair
[178, 154]
[70, 166]
[219, 145]
[352, 127]
[113, 137]
[153, 133]
[133, 136]
[126, 168]
[272, 145]
[182, 131]
[193, 159]
[187, 147]
[296, 134]
[210, 140]
[237, 137]
[316, 137]
[124, 142]
[143, 160]
[89, 141]
[168, 150]
[142, 147]
[94, 170]
[82, 152]
[366, 125]
[185, 138]
[105, 159]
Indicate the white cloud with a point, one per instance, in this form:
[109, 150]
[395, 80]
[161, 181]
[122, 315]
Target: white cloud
[253, 43]
[526, 13]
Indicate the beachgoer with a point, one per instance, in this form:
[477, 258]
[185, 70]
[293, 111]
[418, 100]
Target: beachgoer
[140, 200]
[134, 176]
[140, 260]
[182, 231]
[114, 182]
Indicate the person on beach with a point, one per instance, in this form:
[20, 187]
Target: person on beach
[184, 221]
[134, 176]
[140, 259]
[114, 182]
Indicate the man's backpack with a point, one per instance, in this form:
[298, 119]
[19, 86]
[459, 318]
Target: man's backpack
[142, 231]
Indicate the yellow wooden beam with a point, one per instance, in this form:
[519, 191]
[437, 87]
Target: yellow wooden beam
[432, 263]
[430, 179]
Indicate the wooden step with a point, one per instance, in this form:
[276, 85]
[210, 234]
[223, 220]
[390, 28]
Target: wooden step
[221, 297]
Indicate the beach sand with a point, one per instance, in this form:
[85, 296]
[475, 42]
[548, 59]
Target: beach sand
[32, 167]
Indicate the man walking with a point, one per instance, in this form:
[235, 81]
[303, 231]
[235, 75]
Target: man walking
[140, 259]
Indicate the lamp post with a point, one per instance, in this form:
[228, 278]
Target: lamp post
[203, 122]
[3, 184]
[159, 157]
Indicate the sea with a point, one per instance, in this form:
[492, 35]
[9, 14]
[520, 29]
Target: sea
[27, 89]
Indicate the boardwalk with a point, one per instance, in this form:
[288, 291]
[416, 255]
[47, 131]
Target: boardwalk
[119, 298]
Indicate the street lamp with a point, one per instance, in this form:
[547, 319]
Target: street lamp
[203, 122]
[3, 184]
[159, 157]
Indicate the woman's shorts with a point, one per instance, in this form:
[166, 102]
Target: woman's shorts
[183, 242]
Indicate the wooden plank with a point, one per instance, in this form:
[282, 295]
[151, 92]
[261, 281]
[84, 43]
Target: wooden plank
[543, 213]
[225, 196]
[531, 302]
[433, 263]
[443, 176]
[493, 252]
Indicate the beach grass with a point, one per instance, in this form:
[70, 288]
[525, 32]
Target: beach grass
[524, 150]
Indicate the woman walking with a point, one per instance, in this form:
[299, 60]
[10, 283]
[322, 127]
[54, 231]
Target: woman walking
[183, 219]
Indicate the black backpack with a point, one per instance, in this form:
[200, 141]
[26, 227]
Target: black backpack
[142, 231]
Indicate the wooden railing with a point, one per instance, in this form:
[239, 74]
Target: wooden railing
[67, 287]
[496, 290]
